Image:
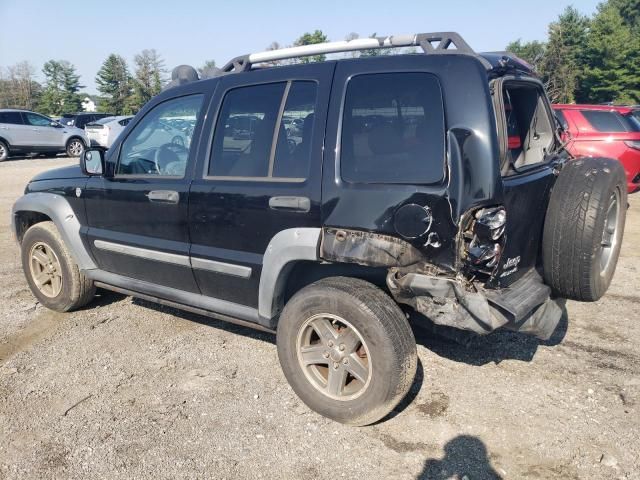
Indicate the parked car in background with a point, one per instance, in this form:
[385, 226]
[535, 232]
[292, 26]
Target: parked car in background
[604, 131]
[104, 131]
[22, 131]
[82, 118]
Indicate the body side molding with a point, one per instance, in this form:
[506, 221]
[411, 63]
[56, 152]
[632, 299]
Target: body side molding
[286, 247]
[60, 212]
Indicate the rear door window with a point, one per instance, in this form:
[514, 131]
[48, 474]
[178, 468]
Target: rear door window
[265, 132]
[393, 129]
[11, 118]
[611, 122]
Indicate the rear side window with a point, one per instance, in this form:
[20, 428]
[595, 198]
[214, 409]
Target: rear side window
[265, 131]
[611, 122]
[12, 118]
[393, 129]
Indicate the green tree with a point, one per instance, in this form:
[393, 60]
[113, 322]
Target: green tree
[612, 59]
[115, 86]
[61, 89]
[149, 78]
[207, 68]
[375, 52]
[310, 39]
[530, 52]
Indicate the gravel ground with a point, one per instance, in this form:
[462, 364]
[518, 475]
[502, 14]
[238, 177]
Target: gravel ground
[128, 389]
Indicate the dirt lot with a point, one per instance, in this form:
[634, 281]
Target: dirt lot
[126, 389]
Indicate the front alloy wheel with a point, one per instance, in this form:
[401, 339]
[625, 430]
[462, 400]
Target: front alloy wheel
[45, 269]
[75, 147]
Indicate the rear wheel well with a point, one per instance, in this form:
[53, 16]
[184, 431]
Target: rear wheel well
[304, 273]
[25, 220]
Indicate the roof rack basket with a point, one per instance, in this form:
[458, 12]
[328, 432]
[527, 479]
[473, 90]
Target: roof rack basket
[431, 43]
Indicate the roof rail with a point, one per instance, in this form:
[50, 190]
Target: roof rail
[431, 43]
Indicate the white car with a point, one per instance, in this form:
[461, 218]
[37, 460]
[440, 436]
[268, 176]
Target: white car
[22, 131]
[103, 132]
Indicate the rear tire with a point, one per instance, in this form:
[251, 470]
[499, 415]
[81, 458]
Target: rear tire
[52, 275]
[365, 352]
[583, 228]
[4, 151]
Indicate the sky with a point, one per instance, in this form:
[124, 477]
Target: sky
[193, 31]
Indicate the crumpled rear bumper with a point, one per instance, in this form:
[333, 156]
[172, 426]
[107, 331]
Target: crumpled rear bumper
[525, 306]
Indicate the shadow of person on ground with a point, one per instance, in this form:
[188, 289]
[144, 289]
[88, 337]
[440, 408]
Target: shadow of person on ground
[473, 349]
[465, 457]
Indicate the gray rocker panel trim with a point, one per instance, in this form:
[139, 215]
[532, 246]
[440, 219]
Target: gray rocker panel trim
[195, 300]
[57, 208]
[285, 247]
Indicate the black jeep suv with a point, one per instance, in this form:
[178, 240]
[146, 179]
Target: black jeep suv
[433, 185]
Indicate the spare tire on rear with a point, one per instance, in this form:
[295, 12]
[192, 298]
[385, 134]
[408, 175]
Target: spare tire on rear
[583, 228]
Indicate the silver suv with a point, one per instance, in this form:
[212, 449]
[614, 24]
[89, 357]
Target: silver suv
[22, 131]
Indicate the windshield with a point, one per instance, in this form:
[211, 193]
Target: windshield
[633, 120]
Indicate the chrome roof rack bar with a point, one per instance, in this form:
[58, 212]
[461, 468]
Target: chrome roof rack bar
[431, 43]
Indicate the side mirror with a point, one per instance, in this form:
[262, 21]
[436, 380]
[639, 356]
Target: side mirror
[55, 125]
[92, 162]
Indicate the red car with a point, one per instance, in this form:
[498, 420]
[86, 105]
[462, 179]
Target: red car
[604, 131]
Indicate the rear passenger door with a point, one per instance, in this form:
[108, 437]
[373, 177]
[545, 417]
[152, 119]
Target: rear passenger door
[13, 129]
[260, 174]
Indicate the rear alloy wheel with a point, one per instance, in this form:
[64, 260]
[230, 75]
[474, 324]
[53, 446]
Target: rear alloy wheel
[75, 147]
[334, 357]
[346, 349]
[4, 151]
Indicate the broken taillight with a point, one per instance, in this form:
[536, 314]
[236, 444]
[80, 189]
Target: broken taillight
[485, 239]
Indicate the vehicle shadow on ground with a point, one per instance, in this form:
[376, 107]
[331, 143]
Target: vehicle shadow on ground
[107, 297]
[465, 456]
[479, 350]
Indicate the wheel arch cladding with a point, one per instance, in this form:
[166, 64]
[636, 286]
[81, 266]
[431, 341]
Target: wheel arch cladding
[55, 207]
[284, 249]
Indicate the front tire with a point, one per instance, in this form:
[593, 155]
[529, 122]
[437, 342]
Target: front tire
[75, 147]
[347, 350]
[52, 275]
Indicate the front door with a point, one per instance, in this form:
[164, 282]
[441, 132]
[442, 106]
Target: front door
[261, 174]
[38, 130]
[138, 216]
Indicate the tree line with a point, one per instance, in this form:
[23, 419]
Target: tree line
[589, 59]
[584, 59]
[120, 92]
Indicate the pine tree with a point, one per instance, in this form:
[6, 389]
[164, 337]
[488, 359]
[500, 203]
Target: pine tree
[114, 84]
[61, 90]
[612, 59]
[149, 77]
[562, 63]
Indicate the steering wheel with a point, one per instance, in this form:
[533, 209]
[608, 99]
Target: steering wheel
[167, 154]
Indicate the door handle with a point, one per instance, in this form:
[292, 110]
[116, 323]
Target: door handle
[297, 204]
[163, 196]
